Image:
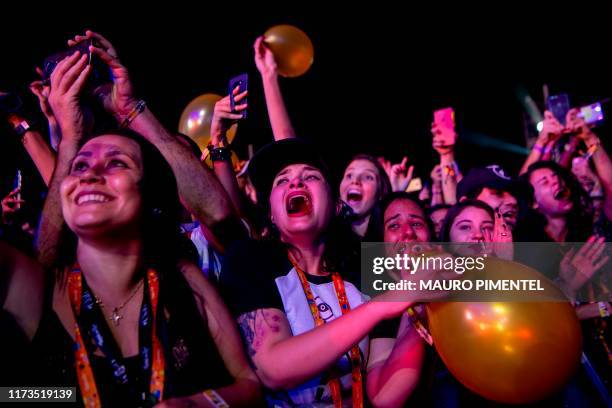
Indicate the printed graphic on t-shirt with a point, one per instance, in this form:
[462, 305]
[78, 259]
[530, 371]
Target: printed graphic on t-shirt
[300, 319]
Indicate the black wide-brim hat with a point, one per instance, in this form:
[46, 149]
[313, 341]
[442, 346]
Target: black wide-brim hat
[273, 157]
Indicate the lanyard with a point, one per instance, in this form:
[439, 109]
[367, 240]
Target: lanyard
[88, 315]
[355, 355]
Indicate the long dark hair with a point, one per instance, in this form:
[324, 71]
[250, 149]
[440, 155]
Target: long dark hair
[580, 218]
[457, 209]
[163, 244]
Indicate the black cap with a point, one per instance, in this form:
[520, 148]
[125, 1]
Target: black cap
[492, 176]
[273, 157]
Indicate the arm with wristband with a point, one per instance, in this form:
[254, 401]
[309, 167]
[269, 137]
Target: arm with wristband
[34, 143]
[200, 191]
[220, 152]
[597, 153]
[551, 130]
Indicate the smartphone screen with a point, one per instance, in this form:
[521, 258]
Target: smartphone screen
[445, 117]
[559, 105]
[242, 82]
[591, 113]
[17, 183]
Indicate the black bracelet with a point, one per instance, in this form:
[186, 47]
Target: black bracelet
[23, 127]
[220, 154]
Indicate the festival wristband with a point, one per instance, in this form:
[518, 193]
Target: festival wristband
[603, 309]
[137, 110]
[215, 399]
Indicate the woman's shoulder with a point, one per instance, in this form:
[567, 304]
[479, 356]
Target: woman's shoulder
[259, 258]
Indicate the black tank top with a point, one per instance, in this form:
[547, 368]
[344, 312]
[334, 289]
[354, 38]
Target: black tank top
[193, 362]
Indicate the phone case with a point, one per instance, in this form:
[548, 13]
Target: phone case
[445, 117]
[242, 81]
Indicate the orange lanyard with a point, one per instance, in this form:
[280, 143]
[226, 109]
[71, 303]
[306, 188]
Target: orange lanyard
[355, 354]
[87, 383]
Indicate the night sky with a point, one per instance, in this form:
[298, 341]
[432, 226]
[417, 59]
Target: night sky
[377, 77]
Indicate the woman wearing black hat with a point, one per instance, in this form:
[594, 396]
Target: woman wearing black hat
[304, 323]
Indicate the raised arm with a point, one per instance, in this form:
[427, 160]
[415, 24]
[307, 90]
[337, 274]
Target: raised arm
[444, 140]
[34, 144]
[596, 151]
[199, 189]
[67, 82]
[551, 130]
[277, 111]
[223, 118]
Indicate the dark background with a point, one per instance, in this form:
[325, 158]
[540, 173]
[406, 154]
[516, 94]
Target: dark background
[377, 76]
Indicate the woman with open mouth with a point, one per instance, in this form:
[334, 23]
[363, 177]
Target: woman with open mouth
[364, 181]
[363, 185]
[304, 321]
[562, 204]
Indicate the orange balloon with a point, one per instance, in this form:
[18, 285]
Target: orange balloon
[292, 49]
[510, 352]
[196, 119]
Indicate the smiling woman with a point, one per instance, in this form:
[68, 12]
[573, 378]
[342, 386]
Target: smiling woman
[101, 190]
[136, 319]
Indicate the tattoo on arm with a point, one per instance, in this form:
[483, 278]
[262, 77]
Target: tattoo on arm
[254, 327]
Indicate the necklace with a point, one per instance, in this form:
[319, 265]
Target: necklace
[116, 316]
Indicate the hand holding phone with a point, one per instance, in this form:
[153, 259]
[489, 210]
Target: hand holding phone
[242, 83]
[445, 118]
[559, 105]
[443, 130]
[17, 184]
[100, 73]
[592, 113]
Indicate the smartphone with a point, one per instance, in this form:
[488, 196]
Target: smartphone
[559, 105]
[100, 73]
[242, 82]
[445, 117]
[17, 184]
[414, 185]
[592, 113]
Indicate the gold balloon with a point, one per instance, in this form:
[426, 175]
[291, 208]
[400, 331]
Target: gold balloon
[292, 49]
[196, 119]
[510, 352]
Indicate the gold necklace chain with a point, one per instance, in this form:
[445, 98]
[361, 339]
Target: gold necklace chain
[116, 316]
